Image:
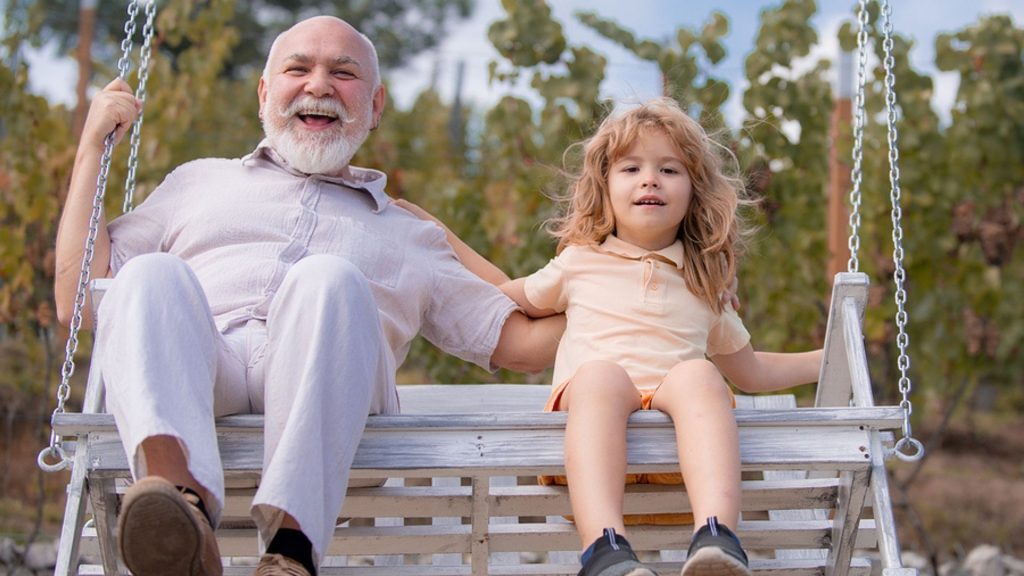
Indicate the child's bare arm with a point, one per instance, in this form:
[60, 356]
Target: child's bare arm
[515, 289]
[752, 371]
[472, 260]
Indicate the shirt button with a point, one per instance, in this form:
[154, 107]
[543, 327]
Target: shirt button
[654, 287]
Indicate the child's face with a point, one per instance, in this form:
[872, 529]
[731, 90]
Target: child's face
[649, 189]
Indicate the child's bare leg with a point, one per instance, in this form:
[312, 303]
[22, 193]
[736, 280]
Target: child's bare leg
[697, 398]
[599, 400]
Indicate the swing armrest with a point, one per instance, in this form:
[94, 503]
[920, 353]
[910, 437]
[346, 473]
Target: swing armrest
[844, 374]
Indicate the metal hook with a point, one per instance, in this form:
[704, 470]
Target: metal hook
[62, 459]
[900, 450]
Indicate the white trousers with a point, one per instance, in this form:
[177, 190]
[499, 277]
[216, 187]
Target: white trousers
[316, 368]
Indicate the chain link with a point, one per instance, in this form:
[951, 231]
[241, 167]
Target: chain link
[140, 95]
[857, 174]
[124, 63]
[899, 274]
[54, 449]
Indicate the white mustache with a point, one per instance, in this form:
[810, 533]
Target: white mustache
[317, 106]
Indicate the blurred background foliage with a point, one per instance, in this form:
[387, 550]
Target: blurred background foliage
[489, 172]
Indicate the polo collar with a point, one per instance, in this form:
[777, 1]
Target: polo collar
[672, 253]
[368, 180]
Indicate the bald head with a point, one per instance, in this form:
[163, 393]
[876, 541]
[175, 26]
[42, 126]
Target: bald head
[321, 29]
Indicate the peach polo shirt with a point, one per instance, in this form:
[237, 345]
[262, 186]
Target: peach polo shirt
[630, 305]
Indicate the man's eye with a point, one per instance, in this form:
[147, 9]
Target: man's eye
[344, 74]
[295, 70]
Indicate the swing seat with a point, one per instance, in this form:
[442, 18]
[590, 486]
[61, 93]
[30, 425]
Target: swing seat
[461, 497]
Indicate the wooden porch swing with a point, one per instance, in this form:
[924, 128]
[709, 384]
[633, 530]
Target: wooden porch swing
[461, 499]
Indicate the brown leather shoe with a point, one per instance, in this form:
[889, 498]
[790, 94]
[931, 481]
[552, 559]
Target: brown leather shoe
[278, 565]
[162, 532]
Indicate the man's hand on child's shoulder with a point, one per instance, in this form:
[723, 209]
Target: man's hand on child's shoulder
[731, 294]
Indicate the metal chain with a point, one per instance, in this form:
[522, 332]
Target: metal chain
[857, 174]
[140, 95]
[907, 448]
[55, 448]
[125, 62]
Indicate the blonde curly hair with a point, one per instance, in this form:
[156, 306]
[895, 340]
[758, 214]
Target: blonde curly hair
[712, 231]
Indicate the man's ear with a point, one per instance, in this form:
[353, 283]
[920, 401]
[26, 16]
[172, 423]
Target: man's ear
[378, 106]
[261, 95]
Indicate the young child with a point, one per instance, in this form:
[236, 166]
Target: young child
[648, 245]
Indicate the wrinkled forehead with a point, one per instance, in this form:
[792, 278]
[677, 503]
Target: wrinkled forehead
[328, 39]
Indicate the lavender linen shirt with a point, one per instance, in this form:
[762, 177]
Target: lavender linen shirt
[240, 224]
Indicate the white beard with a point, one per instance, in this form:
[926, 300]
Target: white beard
[322, 152]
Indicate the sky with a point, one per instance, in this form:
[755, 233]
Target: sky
[627, 77]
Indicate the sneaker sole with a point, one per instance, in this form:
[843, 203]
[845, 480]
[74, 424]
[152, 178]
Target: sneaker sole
[158, 534]
[629, 569]
[713, 561]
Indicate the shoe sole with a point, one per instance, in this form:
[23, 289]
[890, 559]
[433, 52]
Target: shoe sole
[158, 534]
[630, 569]
[713, 561]
[642, 571]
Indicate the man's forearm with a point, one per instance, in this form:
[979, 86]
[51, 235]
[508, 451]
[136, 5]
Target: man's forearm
[528, 345]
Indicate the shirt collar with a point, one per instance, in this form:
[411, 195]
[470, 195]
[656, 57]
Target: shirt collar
[368, 180]
[672, 253]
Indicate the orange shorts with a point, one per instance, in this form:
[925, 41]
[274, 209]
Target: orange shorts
[664, 478]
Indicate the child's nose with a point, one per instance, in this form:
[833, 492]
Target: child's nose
[650, 181]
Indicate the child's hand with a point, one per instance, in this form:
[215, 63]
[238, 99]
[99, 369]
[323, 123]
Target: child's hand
[114, 109]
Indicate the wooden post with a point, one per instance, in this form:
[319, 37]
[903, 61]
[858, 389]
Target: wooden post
[86, 31]
[838, 216]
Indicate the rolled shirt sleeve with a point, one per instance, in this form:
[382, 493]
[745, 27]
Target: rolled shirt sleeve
[465, 315]
[145, 229]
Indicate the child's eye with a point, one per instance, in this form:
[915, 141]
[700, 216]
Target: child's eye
[630, 169]
[670, 171]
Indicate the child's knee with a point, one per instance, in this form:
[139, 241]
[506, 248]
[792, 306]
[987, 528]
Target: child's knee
[602, 373]
[697, 378]
[604, 381]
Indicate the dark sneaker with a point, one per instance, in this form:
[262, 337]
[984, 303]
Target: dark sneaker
[715, 551]
[611, 555]
[162, 532]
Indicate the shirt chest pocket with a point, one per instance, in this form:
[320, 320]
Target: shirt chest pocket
[376, 255]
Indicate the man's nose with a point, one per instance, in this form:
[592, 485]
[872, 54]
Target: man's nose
[318, 84]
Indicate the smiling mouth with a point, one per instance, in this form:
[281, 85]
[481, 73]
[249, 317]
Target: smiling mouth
[317, 119]
[649, 202]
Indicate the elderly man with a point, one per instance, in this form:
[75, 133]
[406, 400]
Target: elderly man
[285, 283]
